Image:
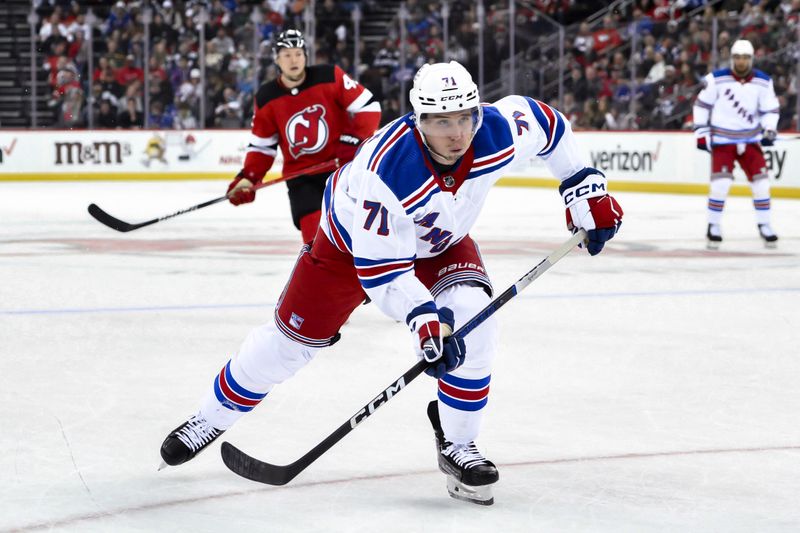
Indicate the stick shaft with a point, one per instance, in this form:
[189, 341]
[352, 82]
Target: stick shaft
[122, 226]
[253, 469]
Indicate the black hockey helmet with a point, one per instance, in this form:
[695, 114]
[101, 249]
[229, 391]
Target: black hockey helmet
[289, 39]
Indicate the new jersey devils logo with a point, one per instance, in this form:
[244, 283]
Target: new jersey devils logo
[307, 131]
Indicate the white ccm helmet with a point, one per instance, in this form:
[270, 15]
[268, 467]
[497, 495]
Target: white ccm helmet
[444, 88]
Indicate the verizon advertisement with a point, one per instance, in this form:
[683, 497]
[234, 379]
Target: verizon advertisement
[668, 162]
[651, 161]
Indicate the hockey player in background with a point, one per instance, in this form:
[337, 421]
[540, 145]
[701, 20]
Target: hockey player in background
[315, 114]
[395, 227]
[735, 112]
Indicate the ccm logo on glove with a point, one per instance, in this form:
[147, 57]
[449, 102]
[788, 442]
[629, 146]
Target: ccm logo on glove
[590, 208]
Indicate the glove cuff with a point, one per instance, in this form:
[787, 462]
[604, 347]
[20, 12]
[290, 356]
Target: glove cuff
[585, 184]
[352, 140]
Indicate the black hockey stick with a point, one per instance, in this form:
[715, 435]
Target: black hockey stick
[255, 470]
[120, 225]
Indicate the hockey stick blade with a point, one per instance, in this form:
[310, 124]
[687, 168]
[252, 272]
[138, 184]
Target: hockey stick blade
[120, 225]
[124, 227]
[115, 223]
[255, 470]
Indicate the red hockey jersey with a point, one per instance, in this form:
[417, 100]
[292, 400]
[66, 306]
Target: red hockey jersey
[308, 121]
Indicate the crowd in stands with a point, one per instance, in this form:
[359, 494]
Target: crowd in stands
[642, 69]
[637, 66]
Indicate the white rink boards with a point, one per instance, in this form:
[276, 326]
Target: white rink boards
[651, 388]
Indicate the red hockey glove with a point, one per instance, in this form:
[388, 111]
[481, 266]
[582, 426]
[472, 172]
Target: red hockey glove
[703, 134]
[434, 328]
[240, 191]
[346, 151]
[590, 208]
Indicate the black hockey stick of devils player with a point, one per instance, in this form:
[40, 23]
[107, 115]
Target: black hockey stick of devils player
[253, 469]
[120, 225]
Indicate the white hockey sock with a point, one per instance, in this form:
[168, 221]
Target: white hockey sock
[461, 404]
[717, 194]
[761, 200]
[232, 395]
[464, 392]
[266, 358]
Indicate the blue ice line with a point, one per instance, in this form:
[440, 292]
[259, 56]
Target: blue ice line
[67, 311]
[704, 292]
[249, 306]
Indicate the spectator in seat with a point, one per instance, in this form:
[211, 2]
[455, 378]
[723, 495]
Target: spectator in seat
[129, 72]
[607, 37]
[106, 115]
[131, 117]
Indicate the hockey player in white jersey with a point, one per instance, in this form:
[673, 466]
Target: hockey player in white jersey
[395, 227]
[735, 112]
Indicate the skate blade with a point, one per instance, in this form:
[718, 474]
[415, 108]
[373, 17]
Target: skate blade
[162, 466]
[713, 245]
[771, 245]
[481, 495]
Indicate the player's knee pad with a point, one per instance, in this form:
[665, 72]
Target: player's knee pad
[760, 186]
[267, 356]
[481, 343]
[720, 187]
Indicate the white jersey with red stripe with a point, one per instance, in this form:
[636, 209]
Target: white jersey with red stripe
[736, 110]
[389, 207]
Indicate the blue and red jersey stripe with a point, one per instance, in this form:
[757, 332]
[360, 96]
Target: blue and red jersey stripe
[375, 272]
[551, 122]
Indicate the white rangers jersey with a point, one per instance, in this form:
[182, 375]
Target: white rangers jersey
[389, 206]
[736, 109]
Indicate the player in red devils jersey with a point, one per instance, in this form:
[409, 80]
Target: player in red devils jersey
[315, 114]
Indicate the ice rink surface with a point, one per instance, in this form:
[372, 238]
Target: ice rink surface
[655, 387]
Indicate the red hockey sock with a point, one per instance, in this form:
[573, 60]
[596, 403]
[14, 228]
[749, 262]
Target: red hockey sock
[309, 225]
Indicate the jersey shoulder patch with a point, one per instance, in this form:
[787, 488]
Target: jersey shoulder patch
[319, 74]
[719, 73]
[268, 91]
[495, 133]
[761, 74]
[315, 75]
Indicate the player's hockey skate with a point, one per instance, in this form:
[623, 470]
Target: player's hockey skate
[713, 237]
[770, 239]
[469, 474]
[187, 440]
